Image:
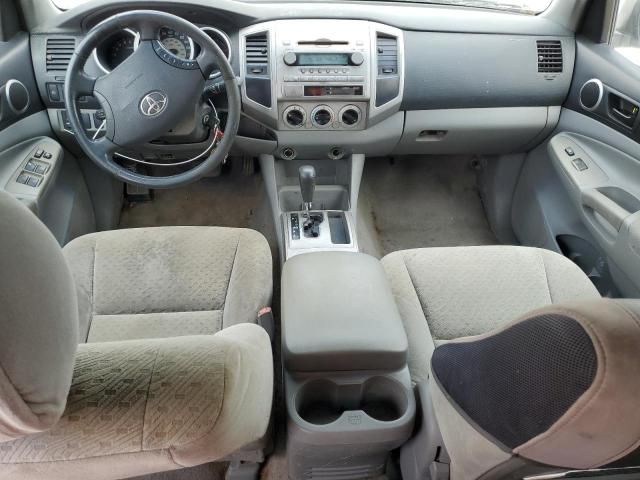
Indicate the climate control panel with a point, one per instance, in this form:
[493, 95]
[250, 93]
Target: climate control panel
[323, 116]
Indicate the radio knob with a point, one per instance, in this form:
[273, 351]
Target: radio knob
[290, 58]
[356, 58]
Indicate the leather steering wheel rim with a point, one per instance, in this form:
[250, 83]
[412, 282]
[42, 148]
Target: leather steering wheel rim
[148, 70]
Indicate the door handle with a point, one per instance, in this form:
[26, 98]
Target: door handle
[622, 114]
[607, 208]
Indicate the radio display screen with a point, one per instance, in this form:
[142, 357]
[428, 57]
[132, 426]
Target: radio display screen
[327, 91]
[312, 59]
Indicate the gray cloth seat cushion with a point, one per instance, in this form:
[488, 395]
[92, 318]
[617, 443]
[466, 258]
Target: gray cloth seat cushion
[144, 406]
[168, 281]
[452, 292]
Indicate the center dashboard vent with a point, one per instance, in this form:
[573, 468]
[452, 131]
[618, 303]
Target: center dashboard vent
[387, 52]
[549, 56]
[257, 54]
[59, 53]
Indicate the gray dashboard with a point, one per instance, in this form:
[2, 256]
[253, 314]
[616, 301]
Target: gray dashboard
[457, 60]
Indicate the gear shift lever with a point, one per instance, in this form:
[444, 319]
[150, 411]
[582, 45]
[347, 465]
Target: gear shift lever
[307, 177]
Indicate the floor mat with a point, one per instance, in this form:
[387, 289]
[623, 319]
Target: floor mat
[233, 199]
[413, 202]
[208, 471]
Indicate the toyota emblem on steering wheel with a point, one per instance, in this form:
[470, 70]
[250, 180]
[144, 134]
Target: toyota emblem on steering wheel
[153, 104]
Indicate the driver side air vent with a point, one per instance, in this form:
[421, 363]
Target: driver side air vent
[257, 54]
[59, 53]
[549, 56]
[257, 80]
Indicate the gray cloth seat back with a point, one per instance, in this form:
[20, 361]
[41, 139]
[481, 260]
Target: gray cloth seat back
[556, 389]
[38, 323]
[129, 405]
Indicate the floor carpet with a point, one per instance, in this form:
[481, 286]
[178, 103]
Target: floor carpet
[421, 202]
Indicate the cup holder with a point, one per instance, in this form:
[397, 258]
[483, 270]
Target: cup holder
[322, 402]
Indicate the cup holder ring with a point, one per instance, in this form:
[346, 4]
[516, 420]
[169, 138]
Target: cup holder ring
[379, 401]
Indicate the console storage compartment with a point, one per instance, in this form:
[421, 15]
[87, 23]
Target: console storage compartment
[348, 391]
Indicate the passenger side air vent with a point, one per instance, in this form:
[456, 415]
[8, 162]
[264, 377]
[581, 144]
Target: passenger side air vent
[387, 50]
[257, 54]
[257, 80]
[59, 52]
[387, 78]
[549, 56]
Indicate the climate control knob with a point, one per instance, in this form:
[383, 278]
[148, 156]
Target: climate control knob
[290, 58]
[294, 116]
[350, 115]
[356, 58]
[322, 116]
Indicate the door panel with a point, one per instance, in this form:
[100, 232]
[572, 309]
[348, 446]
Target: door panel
[604, 186]
[618, 77]
[34, 167]
[19, 95]
[596, 154]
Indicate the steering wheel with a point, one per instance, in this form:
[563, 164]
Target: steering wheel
[148, 94]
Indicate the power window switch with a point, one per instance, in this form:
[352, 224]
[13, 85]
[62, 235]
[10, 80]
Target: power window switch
[579, 164]
[31, 166]
[41, 169]
[569, 151]
[33, 181]
[23, 178]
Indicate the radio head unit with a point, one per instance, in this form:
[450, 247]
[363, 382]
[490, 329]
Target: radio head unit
[318, 59]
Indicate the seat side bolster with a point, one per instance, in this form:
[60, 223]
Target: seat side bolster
[80, 254]
[248, 397]
[251, 282]
[566, 282]
[421, 344]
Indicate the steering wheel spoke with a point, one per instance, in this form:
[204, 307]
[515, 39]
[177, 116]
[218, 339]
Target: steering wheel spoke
[104, 147]
[84, 85]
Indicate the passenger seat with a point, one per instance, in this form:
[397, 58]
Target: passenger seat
[452, 292]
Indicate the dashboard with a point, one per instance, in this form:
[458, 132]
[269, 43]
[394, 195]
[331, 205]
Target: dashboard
[325, 80]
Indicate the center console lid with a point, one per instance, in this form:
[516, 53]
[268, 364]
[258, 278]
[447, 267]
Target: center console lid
[338, 314]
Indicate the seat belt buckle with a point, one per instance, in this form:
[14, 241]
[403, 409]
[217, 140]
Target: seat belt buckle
[266, 321]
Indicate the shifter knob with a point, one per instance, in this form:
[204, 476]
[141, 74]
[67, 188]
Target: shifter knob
[307, 177]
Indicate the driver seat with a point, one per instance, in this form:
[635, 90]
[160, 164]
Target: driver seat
[134, 352]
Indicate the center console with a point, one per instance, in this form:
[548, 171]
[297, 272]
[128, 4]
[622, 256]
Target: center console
[348, 390]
